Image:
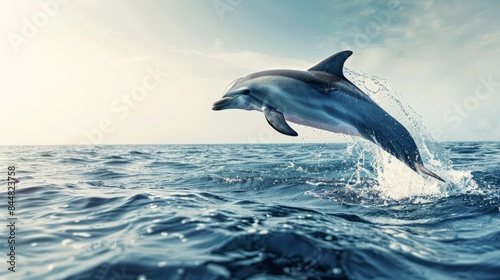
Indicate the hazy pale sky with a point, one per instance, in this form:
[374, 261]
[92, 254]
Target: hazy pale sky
[144, 72]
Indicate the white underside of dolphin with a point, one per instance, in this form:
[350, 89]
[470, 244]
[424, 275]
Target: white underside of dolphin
[323, 98]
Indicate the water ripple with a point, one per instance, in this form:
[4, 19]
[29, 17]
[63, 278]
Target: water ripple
[310, 211]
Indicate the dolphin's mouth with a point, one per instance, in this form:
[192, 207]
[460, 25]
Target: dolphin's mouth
[219, 105]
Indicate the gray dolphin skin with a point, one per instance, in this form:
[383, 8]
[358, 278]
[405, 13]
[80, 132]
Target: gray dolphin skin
[323, 98]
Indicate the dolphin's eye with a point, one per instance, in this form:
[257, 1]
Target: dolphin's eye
[246, 92]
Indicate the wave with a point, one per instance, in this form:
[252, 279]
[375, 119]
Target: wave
[316, 211]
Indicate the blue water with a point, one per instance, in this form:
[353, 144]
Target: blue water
[289, 211]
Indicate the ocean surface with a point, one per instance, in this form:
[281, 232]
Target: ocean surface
[275, 211]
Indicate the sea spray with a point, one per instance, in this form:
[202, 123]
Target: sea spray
[394, 180]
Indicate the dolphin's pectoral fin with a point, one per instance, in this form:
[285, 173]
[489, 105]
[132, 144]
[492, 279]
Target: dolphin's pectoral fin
[278, 122]
[333, 65]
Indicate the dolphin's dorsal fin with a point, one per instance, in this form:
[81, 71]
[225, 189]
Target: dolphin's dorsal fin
[333, 64]
[278, 122]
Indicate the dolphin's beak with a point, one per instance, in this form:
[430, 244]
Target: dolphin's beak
[219, 105]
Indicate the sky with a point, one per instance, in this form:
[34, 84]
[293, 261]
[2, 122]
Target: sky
[147, 72]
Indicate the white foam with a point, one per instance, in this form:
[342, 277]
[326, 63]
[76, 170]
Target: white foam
[393, 179]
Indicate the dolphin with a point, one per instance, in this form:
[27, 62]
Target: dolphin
[322, 97]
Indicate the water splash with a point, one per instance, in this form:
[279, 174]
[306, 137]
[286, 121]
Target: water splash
[393, 179]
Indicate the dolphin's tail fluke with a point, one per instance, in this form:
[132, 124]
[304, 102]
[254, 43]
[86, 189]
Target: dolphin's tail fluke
[421, 169]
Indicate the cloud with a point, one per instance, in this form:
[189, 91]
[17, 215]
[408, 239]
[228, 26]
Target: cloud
[435, 53]
[224, 65]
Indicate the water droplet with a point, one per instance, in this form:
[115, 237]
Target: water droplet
[162, 264]
[337, 271]
[209, 212]
[200, 226]
[82, 234]
[66, 242]
[178, 235]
